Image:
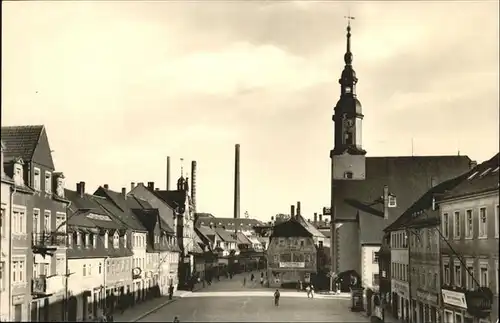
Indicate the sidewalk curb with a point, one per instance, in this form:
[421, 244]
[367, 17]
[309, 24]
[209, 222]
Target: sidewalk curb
[143, 315]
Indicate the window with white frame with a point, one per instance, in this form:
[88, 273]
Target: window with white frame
[457, 273]
[19, 220]
[106, 240]
[497, 221]
[79, 239]
[48, 182]
[36, 220]
[37, 179]
[3, 276]
[87, 240]
[36, 270]
[375, 257]
[483, 222]
[456, 225]
[458, 317]
[84, 270]
[94, 241]
[484, 278]
[60, 266]
[45, 268]
[125, 240]
[445, 225]
[469, 228]
[18, 270]
[446, 271]
[100, 268]
[470, 274]
[116, 240]
[60, 222]
[46, 220]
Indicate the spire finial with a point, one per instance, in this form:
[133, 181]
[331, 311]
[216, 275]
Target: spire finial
[182, 166]
[348, 54]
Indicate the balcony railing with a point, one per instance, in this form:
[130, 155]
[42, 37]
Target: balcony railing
[49, 239]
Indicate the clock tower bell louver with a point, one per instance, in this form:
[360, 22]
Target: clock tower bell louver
[348, 156]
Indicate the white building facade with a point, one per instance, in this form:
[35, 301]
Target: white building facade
[369, 266]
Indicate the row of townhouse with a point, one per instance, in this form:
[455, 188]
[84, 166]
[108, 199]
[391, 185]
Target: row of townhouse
[443, 260]
[68, 255]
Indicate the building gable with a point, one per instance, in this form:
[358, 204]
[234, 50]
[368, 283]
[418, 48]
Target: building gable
[290, 228]
[42, 154]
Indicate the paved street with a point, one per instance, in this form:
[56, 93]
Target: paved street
[229, 301]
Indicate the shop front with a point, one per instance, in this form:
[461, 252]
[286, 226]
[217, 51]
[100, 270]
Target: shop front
[427, 306]
[400, 300]
[465, 306]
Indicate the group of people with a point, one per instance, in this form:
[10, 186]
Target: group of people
[253, 279]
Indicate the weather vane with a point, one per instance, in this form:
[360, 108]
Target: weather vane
[349, 18]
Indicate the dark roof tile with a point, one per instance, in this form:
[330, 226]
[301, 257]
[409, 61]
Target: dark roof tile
[21, 141]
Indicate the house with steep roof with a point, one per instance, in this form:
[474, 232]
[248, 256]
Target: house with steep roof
[7, 190]
[99, 258]
[177, 209]
[38, 244]
[115, 203]
[360, 224]
[469, 233]
[162, 258]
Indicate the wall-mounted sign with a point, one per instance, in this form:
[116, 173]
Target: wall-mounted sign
[427, 297]
[400, 288]
[136, 273]
[292, 264]
[454, 298]
[17, 299]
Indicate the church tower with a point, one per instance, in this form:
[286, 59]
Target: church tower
[348, 155]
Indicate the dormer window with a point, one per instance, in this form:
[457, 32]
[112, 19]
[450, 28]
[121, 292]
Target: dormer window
[87, 240]
[70, 239]
[18, 172]
[48, 182]
[36, 179]
[94, 241]
[125, 240]
[116, 240]
[392, 202]
[106, 240]
[78, 239]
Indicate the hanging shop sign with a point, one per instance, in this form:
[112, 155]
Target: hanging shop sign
[454, 298]
[136, 273]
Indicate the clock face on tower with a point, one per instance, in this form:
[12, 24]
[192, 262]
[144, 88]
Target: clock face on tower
[349, 123]
[348, 89]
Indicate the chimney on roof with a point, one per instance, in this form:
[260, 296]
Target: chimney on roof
[132, 185]
[151, 185]
[315, 218]
[168, 173]
[106, 186]
[298, 209]
[292, 211]
[193, 185]
[386, 202]
[236, 213]
[320, 217]
[472, 164]
[124, 192]
[80, 188]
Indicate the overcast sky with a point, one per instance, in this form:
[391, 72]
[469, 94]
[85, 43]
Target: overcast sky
[121, 85]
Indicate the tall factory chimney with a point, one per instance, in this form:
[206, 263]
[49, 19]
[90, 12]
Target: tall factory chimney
[298, 210]
[168, 174]
[237, 181]
[193, 184]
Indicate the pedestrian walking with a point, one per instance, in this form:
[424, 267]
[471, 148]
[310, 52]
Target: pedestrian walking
[252, 277]
[312, 291]
[308, 291]
[244, 281]
[170, 291]
[277, 298]
[176, 320]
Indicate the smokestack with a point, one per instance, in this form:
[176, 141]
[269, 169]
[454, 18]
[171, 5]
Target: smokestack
[315, 218]
[292, 211]
[124, 192]
[298, 209]
[320, 217]
[151, 185]
[132, 185]
[193, 184]
[168, 173]
[237, 181]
